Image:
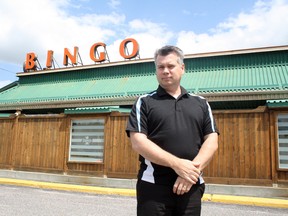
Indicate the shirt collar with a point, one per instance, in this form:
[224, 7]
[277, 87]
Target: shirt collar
[162, 92]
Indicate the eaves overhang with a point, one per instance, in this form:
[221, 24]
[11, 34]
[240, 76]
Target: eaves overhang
[11, 85]
[245, 96]
[130, 100]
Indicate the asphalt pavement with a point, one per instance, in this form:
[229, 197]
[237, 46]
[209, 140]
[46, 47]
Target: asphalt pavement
[27, 201]
[215, 198]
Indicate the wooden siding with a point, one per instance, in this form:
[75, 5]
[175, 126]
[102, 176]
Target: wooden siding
[6, 142]
[121, 160]
[246, 154]
[39, 144]
[244, 149]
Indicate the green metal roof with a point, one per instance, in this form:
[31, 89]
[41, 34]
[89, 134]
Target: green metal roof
[87, 110]
[250, 75]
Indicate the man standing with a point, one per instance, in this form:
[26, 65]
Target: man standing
[175, 135]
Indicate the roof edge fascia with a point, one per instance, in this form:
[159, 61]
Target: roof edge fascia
[130, 100]
[84, 67]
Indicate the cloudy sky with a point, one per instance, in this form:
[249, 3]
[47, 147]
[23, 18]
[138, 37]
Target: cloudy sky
[193, 25]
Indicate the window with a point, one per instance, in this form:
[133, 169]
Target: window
[283, 141]
[87, 140]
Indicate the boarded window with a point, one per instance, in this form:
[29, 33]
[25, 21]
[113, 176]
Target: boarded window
[87, 140]
[283, 141]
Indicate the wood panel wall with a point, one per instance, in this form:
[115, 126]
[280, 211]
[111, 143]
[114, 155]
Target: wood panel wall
[39, 143]
[6, 140]
[120, 160]
[246, 153]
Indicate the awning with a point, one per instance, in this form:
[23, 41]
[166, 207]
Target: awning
[87, 110]
[277, 103]
[5, 115]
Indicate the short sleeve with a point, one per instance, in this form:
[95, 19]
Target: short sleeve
[209, 121]
[137, 121]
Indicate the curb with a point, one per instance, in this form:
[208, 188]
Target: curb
[244, 200]
[69, 187]
[239, 200]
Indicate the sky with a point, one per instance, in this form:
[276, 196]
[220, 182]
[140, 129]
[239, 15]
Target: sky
[194, 26]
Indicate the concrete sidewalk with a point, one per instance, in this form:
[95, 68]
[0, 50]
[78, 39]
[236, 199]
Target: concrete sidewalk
[242, 195]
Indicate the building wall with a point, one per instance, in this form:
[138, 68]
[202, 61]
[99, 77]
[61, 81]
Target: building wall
[6, 141]
[246, 153]
[33, 143]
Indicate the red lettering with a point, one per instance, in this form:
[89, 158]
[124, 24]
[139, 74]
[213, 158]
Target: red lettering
[123, 48]
[49, 58]
[73, 58]
[93, 51]
[30, 61]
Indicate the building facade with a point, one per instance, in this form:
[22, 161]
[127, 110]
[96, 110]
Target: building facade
[72, 120]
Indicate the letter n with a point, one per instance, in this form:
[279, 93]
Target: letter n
[73, 58]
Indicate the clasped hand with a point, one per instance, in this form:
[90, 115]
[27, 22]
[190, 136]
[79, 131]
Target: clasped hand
[188, 174]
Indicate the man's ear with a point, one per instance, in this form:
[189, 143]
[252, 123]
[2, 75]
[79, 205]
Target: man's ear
[183, 68]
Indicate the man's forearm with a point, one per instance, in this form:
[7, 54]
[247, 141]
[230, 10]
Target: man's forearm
[207, 150]
[152, 152]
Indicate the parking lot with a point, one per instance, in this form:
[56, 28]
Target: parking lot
[27, 201]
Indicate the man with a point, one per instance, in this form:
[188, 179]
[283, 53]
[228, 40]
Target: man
[175, 135]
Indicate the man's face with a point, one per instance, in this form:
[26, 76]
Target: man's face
[169, 71]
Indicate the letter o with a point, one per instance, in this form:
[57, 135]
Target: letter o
[123, 47]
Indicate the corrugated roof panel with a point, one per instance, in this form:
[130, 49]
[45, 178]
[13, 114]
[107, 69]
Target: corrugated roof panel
[247, 79]
[235, 73]
[79, 89]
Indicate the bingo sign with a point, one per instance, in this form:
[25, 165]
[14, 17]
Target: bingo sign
[31, 58]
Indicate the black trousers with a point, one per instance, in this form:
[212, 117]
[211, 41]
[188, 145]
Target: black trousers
[159, 200]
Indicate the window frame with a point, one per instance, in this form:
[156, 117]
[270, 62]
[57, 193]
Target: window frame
[278, 153]
[101, 161]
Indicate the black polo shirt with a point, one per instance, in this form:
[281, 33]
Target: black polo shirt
[176, 125]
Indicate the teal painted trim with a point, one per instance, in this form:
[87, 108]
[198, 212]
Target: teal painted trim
[5, 115]
[87, 110]
[11, 85]
[277, 103]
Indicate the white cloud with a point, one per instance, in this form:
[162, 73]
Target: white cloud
[114, 3]
[150, 36]
[39, 26]
[264, 26]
